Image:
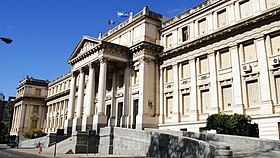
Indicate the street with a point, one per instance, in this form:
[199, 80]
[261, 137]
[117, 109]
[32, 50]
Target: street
[13, 153]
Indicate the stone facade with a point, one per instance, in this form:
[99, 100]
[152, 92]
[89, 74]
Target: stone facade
[222, 56]
[30, 107]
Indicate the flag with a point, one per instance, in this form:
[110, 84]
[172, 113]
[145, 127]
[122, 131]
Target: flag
[111, 22]
[123, 14]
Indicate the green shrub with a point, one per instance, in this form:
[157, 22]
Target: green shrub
[236, 124]
[34, 133]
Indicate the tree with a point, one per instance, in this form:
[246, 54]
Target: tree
[34, 133]
[237, 124]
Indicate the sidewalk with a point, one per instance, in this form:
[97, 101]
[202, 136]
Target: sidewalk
[48, 154]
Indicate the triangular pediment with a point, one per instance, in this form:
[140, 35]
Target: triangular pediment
[86, 43]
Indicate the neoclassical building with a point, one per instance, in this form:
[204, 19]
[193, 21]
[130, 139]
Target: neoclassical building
[221, 56]
[30, 108]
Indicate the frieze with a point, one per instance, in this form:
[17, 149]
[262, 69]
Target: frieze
[145, 48]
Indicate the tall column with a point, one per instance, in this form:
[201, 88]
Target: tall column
[193, 93]
[113, 120]
[22, 120]
[237, 92]
[175, 113]
[124, 118]
[71, 105]
[47, 123]
[213, 83]
[100, 120]
[89, 100]
[266, 106]
[77, 122]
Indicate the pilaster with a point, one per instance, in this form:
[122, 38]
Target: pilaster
[213, 84]
[266, 99]
[193, 93]
[176, 112]
[237, 92]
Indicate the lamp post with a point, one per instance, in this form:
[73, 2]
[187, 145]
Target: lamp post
[6, 40]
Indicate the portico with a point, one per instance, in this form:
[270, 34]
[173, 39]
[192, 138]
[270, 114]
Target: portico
[91, 62]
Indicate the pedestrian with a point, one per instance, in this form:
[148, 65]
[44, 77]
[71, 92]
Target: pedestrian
[39, 148]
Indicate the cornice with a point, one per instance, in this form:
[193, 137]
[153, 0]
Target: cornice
[61, 94]
[224, 33]
[145, 48]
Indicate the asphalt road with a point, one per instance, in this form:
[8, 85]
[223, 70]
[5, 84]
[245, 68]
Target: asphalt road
[7, 153]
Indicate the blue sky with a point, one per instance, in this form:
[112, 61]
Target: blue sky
[45, 32]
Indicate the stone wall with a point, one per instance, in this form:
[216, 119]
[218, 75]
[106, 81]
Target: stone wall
[159, 144]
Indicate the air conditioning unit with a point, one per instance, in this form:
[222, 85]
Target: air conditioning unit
[247, 68]
[275, 61]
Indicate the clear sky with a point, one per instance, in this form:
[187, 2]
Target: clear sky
[45, 32]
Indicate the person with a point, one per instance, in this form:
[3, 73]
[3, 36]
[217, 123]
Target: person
[39, 148]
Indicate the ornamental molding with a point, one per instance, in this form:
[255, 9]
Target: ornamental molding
[145, 48]
[235, 30]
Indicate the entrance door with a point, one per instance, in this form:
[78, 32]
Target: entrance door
[108, 112]
[120, 113]
[135, 113]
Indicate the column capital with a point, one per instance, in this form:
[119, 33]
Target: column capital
[91, 65]
[74, 73]
[103, 60]
[144, 60]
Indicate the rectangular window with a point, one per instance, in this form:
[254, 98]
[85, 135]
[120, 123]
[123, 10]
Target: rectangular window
[202, 27]
[185, 34]
[272, 3]
[222, 18]
[205, 101]
[203, 65]
[35, 109]
[169, 74]
[109, 84]
[277, 82]
[136, 76]
[245, 9]
[185, 70]
[169, 41]
[34, 124]
[275, 44]
[38, 92]
[253, 95]
[227, 97]
[225, 59]
[169, 106]
[186, 104]
[249, 52]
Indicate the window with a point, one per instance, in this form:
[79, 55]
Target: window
[225, 59]
[249, 52]
[38, 92]
[168, 41]
[203, 65]
[275, 44]
[186, 104]
[227, 97]
[245, 9]
[202, 27]
[185, 34]
[253, 93]
[35, 109]
[185, 70]
[121, 81]
[169, 106]
[277, 82]
[169, 75]
[34, 124]
[205, 101]
[136, 76]
[272, 3]
[222, 18]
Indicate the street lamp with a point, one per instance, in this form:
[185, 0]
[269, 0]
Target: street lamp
[6, 40]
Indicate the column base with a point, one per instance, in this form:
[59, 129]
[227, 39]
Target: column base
[124, 121]
[68, 127]
[238, 109]
[77, 124]
[146, 121]
[214, 110]
[87, 123]
[99, 121]
[194, 115]
[176, 117]
[111, 121]
[266, 107]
